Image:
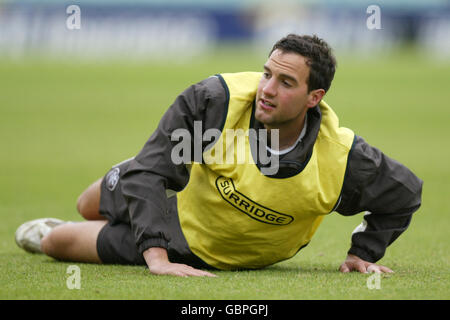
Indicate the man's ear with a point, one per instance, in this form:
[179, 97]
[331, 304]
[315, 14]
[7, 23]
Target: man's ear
[314, 97]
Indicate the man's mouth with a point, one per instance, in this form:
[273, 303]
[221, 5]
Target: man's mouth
[266, 105]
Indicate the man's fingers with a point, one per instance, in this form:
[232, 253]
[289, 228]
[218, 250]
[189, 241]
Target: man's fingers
[378, 269]
[386, 269]
[179, 270]
[374, 268]
[361, 267]
[179, 274]
[348, 267]
[188, 271]
[354, 263]
[209, 274]
[200, 273]
[344, 268]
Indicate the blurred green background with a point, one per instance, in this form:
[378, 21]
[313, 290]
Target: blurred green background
[65, 121]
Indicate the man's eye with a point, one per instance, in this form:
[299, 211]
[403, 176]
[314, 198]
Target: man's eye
[266, 75]
[285, 83]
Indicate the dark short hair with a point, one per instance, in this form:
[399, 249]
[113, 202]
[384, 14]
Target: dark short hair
[319, 58]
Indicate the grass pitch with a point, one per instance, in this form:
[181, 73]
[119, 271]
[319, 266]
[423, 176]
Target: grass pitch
[62, 125]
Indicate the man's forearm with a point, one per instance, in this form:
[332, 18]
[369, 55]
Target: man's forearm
[389, 193]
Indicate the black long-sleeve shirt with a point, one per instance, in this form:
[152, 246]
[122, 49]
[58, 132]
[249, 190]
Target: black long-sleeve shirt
[387, 190]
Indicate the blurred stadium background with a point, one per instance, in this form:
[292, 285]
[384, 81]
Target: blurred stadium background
[150, 29]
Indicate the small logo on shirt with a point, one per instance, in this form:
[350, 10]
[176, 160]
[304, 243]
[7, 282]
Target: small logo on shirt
[227, 190]
[112, 178]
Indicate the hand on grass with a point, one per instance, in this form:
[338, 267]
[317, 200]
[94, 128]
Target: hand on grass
[159, 264]
[354, 263]
[176, 269]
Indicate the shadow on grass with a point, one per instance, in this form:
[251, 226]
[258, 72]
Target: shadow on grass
[286, 269]
[312, 268]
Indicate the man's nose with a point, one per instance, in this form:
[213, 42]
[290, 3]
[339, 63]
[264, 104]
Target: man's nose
[270, 88]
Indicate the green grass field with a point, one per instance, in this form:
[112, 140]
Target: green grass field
[62, 125]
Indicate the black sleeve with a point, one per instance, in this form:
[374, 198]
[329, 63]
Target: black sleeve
[389, 193]
[152, 172]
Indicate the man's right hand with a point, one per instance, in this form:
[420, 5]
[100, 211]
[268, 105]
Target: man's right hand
[158, 263]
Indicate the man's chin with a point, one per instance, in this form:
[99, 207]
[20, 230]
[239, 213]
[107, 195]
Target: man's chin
[263, 117]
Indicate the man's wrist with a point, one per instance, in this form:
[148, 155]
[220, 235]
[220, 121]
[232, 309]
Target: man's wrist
[360, 253]
[151, 243]
[155, 255]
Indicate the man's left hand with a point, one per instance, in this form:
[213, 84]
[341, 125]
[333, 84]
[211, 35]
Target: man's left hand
[354, 263]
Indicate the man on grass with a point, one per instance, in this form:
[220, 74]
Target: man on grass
[183, 211]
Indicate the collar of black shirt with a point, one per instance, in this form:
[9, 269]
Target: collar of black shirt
[293, 162]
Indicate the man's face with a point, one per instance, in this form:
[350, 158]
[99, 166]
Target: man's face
[282, 98]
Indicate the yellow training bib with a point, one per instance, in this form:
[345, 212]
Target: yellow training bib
[233, 216]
